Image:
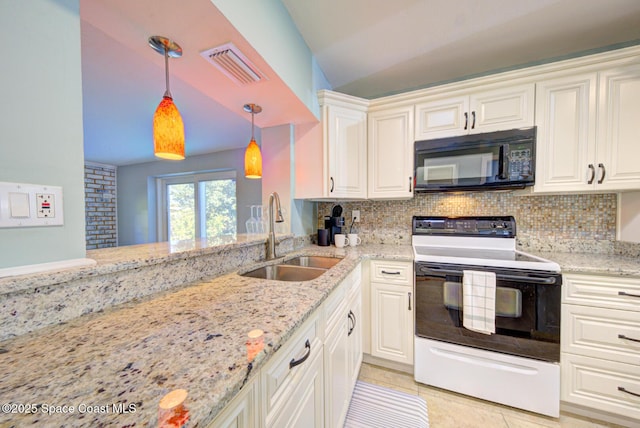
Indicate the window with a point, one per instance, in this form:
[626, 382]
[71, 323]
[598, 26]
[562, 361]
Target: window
[197, 206]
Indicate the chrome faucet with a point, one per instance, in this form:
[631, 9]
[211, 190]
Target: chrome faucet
[271, 239]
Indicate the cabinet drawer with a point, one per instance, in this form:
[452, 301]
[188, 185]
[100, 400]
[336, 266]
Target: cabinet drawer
[595, 332]
[596, 383]
[278, 379]
[392, 272]
[602, 291]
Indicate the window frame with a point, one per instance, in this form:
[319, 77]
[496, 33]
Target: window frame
[195, 178]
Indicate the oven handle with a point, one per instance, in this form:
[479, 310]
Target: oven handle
[519, 278]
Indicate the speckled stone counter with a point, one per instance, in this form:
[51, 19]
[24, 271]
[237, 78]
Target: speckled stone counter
[192, 338]
[594, 263]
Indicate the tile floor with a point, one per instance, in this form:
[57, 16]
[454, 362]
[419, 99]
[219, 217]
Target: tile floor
[451, 410]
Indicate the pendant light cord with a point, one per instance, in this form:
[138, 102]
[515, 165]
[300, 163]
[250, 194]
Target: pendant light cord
[167, 93]
[252, 115]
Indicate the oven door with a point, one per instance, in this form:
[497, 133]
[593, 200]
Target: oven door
[527, 310]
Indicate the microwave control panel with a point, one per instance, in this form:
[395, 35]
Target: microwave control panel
[520, 161]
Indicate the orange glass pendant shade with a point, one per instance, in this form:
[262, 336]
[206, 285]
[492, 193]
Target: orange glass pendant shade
[252, 156]
[168, 131]
[253, 161]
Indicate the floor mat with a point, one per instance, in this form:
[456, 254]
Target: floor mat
[374, 406]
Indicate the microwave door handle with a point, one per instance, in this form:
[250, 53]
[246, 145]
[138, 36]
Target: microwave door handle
[502, 162]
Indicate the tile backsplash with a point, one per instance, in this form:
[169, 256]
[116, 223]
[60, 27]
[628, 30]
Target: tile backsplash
[581, 223]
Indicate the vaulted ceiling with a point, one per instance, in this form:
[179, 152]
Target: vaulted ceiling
[366, 48]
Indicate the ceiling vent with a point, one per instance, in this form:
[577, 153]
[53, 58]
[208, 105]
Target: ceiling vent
[228, 59]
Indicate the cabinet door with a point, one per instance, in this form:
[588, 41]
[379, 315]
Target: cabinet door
[566, 120]
[505, 108]
[355, 338]
[390, 152]
[243, 410]
[618, 152]
[392, 322]
[305, 407]
[442, 118]
[337, 387]
[346, 134]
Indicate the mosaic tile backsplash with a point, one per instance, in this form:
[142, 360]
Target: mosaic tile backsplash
[573, 223]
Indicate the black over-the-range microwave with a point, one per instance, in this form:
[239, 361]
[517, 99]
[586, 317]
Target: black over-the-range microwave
[488, 161]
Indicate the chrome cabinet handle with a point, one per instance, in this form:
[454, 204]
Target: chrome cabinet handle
[295, 362]
[466, 120]
[604, 173]
[473, 124]
[410, 180]
[332, 183]
[620, 388]
[593, 174]
[409, 300]
[624, 293]
[390, 273]
[622, 336]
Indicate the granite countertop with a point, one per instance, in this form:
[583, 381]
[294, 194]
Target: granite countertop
[109, 260]
[192, 338]
[594, 263]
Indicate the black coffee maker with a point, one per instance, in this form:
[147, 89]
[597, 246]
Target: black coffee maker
[334, 223]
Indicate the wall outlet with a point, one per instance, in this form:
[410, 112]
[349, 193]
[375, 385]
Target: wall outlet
[355, 216]
[45, 205]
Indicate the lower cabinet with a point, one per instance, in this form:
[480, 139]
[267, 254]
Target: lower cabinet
[342, 348]
[309, 381]
[392, 311]
[243, 411]
[600, 359]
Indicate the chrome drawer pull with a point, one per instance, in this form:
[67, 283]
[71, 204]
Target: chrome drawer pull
[620, 388]
[624, 293]
[622, 336]
[295, 362]
[390, 273]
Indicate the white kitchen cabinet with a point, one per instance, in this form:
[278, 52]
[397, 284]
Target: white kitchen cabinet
[288, 373]
[331, 157]
[305, 405]
[566, 121]
[506, 107]
[390, 151]
[600, 340]
[392, 304]
[243, 410]
[588, 131]
[618, 129]
[342, 348]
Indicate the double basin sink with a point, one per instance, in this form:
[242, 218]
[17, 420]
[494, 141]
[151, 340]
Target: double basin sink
[302, 268]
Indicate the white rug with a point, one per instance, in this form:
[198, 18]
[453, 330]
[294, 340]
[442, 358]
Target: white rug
[375, 406]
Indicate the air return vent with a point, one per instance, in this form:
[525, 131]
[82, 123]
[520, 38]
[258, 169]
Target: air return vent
[228, 59]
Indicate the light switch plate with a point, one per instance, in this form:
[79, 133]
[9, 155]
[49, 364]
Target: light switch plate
[18, 210]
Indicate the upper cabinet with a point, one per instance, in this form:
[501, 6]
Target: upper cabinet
[506, 107]
[337, 168]
[390, 151]
[588, 131]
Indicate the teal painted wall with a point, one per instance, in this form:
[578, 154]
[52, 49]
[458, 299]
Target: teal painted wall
[41, 122]
[267, 26]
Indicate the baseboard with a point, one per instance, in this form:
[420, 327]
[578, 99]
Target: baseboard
[376, 361]
[598, 415]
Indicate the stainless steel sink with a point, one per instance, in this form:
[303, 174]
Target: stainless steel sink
[285, 272]
[323, 262]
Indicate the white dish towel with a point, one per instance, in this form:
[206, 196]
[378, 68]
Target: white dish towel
[479, 301]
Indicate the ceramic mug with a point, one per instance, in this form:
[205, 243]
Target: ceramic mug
[340, 240]
[354, 239]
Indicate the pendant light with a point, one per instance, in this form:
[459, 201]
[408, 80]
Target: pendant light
[252, 156]
[168, 129]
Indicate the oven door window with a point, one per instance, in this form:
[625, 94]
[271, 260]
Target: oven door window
[527, 316]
